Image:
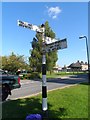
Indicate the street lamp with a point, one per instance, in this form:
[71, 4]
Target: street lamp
[81, 37]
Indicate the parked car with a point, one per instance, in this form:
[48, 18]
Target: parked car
[8, 82]
[22, 73]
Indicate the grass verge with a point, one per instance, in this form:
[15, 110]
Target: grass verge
[69, 102]
[61, 74]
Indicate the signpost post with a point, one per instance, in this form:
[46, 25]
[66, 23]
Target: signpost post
[44, 85]
[48, 45]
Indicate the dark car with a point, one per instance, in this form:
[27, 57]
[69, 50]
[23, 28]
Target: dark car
[8, 82]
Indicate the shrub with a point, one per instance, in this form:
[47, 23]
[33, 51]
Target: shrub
[28, 76]
[32, 75]
[35, 75]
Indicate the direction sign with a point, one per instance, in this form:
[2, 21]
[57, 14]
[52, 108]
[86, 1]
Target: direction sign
[49, 40]
[30, 26]
[60, 44]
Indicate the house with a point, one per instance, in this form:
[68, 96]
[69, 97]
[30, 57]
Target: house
[57, 68]
[84, 66]
[73, 67]
[78, 66]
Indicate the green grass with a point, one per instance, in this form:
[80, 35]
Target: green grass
[69, 102]
[60, 74]
[70, 73]
[52, 75]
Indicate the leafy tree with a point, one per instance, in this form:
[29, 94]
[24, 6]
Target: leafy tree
[13, 62]
[0, 62]
[36, 53]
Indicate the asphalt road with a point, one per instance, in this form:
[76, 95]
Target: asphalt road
[32, 87]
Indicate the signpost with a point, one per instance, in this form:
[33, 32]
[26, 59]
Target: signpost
[48, 45]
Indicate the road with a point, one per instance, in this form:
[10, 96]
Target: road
[33, 87]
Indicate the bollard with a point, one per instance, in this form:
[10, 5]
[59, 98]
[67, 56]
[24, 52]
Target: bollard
[34, 117]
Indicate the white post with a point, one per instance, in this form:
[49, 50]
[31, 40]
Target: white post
[44, 85]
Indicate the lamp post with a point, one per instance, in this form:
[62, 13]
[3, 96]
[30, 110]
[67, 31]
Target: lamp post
[81, 37]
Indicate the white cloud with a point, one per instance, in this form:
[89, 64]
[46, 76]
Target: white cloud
[53, 12]
[54, 16]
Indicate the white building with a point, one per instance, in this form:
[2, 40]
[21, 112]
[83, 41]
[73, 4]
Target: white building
[57, 68]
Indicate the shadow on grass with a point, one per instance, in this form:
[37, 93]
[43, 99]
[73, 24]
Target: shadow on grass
[85, 83]
[19, 109]
[57, 114]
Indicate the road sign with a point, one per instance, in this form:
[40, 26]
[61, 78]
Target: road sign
[49, 40]
[30, 26]
[58, 44]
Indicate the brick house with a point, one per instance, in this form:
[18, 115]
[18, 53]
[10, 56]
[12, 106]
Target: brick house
[78, 66]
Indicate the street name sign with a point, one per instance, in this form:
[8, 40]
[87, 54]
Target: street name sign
[30, 26]
[58, 44]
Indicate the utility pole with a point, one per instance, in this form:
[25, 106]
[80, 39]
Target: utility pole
[81, 37]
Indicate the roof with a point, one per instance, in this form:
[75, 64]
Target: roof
[75, 65]
[78, 64]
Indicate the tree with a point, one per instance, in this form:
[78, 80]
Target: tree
[36, 53]
[13, 62]
[0, 62]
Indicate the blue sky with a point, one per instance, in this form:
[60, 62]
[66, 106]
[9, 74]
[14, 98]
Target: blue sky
[67, 19]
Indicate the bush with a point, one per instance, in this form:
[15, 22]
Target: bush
[21, 77]
[35, 75]
[28, 76]
[32, 75]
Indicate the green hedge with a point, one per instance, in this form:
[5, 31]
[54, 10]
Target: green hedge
[35, 75]
[32, 75]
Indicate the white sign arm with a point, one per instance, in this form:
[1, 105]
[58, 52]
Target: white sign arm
[30, 26]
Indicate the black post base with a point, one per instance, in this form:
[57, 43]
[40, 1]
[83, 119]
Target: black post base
[89, 77]
[45, 115]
